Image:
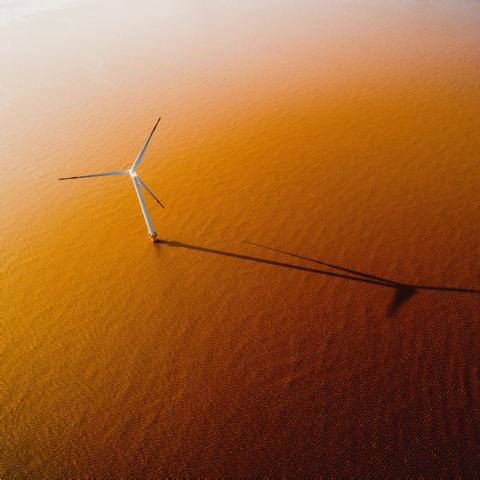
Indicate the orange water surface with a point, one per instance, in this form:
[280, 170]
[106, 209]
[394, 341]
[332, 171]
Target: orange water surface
[312, 307]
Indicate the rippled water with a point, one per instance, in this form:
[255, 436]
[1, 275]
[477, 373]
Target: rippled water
[311, 157]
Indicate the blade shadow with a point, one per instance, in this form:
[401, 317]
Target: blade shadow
[403, 291]
[331, 265]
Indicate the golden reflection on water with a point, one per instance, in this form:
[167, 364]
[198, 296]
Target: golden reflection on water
[345, 134]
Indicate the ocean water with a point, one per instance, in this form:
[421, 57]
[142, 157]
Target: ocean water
[312, 307]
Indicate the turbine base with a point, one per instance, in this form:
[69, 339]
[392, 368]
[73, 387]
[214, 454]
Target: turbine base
[153, 237]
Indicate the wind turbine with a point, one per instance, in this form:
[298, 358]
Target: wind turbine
[137, 183]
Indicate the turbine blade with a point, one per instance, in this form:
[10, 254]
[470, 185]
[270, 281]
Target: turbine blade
[150, 192]
[136, 163]
[104, 174]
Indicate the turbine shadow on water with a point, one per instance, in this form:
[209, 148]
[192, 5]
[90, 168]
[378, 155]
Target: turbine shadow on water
[402, 291]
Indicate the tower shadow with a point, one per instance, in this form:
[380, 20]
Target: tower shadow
[402, 291]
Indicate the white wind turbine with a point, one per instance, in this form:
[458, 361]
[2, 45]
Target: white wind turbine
[137, 183]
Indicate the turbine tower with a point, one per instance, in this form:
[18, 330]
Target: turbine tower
[137, 183]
